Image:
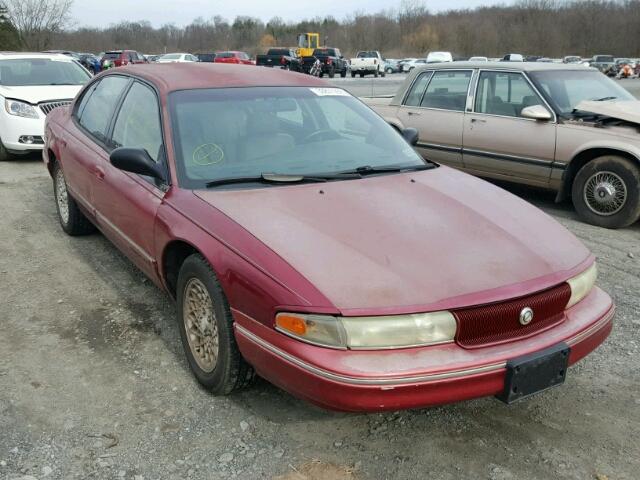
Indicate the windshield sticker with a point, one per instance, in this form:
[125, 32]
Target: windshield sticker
[207, 154]
[330, 92]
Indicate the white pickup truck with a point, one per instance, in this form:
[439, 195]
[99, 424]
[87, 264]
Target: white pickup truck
[367, 63]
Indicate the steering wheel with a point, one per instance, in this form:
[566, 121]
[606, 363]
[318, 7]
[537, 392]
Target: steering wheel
[319, 133]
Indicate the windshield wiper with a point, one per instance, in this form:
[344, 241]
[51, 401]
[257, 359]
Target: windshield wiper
[604, 99]
[282, 178]
[369, 170]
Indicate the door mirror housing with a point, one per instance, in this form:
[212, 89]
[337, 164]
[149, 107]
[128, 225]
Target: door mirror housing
[410, 135]
[136, 160]
[536, 112]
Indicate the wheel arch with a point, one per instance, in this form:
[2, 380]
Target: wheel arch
[173, 256]
[585, 156]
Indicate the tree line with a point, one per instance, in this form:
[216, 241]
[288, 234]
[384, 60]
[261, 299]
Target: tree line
[535, 27]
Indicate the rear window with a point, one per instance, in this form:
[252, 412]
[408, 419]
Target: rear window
[112, 55]
[604, 58]
[224, 55]
[367, 55]
[325, 51]
[278, 51]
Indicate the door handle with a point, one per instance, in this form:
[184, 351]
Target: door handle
[478, 120]
[99, 172]
[413, 114]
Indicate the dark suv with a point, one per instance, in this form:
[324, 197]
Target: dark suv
[119, 58]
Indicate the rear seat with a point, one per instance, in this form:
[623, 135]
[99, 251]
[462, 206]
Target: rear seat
[445, 101]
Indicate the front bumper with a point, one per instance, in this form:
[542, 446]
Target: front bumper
[377, 380]
[13, 127]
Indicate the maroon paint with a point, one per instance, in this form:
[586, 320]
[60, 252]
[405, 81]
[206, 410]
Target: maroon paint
[381, 245]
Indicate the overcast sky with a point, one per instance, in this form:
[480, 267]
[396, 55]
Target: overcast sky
[181, 12]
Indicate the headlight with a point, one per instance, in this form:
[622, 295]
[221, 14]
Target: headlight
[582, 284]
[20, 109]
[392, 331]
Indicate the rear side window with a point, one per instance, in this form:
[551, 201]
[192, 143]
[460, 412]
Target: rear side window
[94, 114]
[138, 122]
[417, 90]
[448, 90]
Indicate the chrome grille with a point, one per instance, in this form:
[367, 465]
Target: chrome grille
[46, 107]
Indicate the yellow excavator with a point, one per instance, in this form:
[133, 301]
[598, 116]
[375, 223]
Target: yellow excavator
[307, 43]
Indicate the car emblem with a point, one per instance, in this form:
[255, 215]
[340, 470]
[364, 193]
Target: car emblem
[526, 315]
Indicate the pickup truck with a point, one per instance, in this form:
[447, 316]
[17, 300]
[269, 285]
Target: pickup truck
[332, 62]
[603, 62]
[284, 58]
[366, 63]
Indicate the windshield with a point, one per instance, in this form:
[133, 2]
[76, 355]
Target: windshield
[41, 71]
[367, 55]
[246, 132]
[604, 58]
[566, 89]
[111, 55]
[171, 56]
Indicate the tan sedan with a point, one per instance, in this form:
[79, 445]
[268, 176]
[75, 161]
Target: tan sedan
[564, 127]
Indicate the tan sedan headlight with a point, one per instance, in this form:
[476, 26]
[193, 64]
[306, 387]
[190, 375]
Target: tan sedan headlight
[582, 284]
[391, 331]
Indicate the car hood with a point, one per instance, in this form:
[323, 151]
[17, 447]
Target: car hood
[627, 110]
[408, 242]
[40, 93]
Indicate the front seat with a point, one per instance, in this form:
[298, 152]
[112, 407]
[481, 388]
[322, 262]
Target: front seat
[263, 138]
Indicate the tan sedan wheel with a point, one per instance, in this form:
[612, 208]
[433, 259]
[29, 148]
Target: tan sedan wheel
[606, 192]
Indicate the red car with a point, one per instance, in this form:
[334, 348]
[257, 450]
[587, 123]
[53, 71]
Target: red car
[120, 58]
[241, 58]
[304, 239]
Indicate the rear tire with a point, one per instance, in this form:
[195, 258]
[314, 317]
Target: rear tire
[361, 75]
[606, 192]
[332, 72]
[343, 73]
[389, 71]
[353, 74]
[72, 220]
[375, 73]
[206, 326]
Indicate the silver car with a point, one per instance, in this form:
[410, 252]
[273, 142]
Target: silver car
[562, 127]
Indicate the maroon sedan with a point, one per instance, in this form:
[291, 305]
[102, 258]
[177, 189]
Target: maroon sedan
[304, 239]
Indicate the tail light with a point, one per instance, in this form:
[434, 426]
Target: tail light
[329, 61]
[283, 60]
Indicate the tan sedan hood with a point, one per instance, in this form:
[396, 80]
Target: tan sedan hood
[627, 110]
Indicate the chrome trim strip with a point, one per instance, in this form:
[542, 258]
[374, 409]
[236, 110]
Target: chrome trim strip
[435, 146]
[593, 329]
[511, 158]
[364, 381]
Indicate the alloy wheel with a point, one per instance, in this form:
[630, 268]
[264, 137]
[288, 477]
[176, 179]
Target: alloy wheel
[62, 196]
[200, 324]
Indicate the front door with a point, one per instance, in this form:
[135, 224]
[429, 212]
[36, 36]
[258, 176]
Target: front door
[435, 106]
[498, 141]
[127, 203]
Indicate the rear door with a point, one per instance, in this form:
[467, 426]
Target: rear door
[435, 105]
[498, 141]
[127, 203]
[84, 141]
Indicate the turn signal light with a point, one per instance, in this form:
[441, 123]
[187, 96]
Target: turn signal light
[293, 324]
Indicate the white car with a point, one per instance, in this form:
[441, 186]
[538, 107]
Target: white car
[31, 86]
[439, 57]
[366, 63]
[416, 62]
[177, 58]
[478, 59]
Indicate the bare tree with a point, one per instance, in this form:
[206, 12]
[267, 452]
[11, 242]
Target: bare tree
[38, 20]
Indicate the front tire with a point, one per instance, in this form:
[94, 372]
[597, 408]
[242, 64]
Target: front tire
[353, 74]
[375, 73]
[4, 154]
[332, 72]
[206, 329]
[343, 73]
[72, 220]
[606, 192]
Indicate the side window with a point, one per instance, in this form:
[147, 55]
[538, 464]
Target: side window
[448, 90]
[85, 98]
[417, 89]
[504, 93]
[98, 109]
[138, 123]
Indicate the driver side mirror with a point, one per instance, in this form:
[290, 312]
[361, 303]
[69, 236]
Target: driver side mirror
[410, 135]
[536, 112]
[136, 160]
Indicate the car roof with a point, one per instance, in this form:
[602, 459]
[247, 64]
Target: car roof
[25, 55]
[520, 66]
[188, 76]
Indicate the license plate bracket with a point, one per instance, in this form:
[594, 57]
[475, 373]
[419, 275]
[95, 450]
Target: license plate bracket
[536, 372]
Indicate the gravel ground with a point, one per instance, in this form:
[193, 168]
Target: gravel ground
[94, 384]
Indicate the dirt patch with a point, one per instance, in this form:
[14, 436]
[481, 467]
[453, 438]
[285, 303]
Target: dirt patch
[318, 470]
